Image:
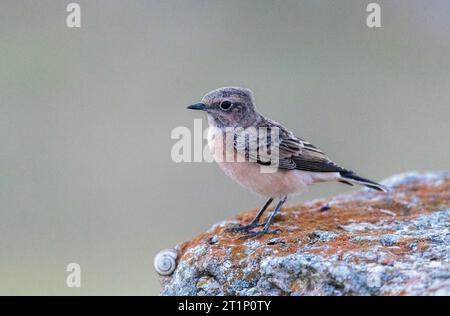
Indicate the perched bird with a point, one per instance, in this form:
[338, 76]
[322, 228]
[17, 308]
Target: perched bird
[233, 120]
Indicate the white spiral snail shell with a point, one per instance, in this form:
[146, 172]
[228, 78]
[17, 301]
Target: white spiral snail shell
[165, 262]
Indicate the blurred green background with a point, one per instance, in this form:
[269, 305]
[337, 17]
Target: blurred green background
[86, 114]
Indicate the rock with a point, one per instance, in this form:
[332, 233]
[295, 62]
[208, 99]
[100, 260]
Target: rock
[365, 243]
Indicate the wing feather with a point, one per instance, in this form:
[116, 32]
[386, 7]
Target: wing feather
[293, 152]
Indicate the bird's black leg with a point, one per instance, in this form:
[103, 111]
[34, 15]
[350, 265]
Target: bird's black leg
[254, 222]
[266, 227]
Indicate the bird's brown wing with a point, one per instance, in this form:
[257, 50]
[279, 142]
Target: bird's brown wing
[293, 152]
[308, 158]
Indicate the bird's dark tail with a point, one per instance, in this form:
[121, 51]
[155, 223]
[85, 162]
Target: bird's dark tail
[354, 178]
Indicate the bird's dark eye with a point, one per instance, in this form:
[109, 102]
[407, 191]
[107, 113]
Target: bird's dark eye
[225, 105]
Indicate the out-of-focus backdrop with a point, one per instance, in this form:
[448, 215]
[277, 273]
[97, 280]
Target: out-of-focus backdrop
[86, 115]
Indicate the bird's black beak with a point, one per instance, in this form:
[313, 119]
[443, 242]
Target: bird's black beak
[197, 106]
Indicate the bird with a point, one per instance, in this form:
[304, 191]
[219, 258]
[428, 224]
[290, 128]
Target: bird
[235, 129]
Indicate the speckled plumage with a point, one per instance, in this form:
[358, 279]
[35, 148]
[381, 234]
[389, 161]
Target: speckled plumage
[236, 132]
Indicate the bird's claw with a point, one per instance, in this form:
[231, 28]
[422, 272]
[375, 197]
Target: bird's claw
[242, 228]
[259, 233]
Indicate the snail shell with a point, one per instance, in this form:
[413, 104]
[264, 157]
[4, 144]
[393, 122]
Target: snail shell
[165, 262]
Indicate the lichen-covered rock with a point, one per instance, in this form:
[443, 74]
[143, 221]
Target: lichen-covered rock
[361, 243]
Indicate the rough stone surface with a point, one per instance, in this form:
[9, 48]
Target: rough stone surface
[361, 243]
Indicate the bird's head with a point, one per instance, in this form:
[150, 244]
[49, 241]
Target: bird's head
[228, 107]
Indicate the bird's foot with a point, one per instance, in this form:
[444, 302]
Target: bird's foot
[259, 233]
[242, 228]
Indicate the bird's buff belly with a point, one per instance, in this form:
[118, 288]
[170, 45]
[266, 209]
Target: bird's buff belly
[275, 184]
[249, 174]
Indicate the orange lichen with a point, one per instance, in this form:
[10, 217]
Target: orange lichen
[298, 223]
